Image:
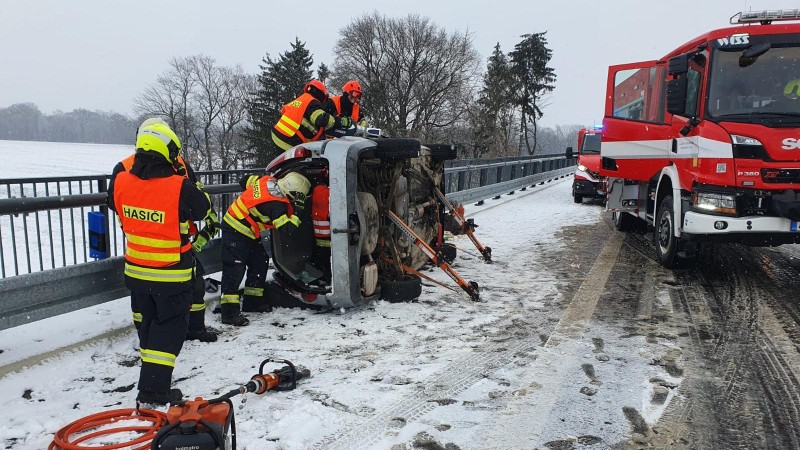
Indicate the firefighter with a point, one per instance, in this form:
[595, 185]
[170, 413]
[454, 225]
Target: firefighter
[197, 328]
[304, 119]
[320, 215]
[155, 206]
[349, 103]
[265, 204]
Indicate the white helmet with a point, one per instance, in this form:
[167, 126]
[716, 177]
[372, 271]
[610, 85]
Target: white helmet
[293, 184]
[151, 121]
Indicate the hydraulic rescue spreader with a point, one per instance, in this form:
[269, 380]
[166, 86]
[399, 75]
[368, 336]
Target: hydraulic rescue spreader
[197, 424]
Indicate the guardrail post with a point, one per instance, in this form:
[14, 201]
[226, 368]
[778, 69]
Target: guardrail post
[498, 177]
[482, 175]
[102, 186]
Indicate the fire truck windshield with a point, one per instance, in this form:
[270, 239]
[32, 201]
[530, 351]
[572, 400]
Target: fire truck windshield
[591, 144]
[764, 91]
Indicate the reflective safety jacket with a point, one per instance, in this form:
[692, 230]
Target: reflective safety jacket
[302, 120]
[256, 210]
[320, 214]
[157, 240]
[355, 109]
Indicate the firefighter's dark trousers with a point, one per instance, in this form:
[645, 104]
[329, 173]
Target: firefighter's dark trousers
[242, 254]
[197, 312]
[165, 319]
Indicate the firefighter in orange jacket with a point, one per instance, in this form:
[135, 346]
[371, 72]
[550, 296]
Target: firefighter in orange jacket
[349, 103]
[266, 203]
[155, 206]
[197, 312]
[304, 119]
[321, 216]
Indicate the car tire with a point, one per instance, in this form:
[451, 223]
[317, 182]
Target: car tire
[407, 289]
[396, 149]
[664, 234]
[442, 152]
[449, 252]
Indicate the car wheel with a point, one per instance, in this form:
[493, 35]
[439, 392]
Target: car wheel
[449, 252]
[393, 149]
[443, 152]
[664, 234]
[409, 288]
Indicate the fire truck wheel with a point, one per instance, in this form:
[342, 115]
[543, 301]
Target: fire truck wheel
[404, 290]
[664, 234]
[577, 198]
[622, 221]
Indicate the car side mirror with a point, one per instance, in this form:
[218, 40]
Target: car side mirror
[569, 153]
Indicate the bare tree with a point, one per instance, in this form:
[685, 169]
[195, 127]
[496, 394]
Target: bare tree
[414, 75]
[205, 104]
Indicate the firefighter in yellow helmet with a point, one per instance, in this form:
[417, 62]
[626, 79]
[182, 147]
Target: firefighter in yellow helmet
[304, 119]
[155, 206]
[197, 311]
[266, 203]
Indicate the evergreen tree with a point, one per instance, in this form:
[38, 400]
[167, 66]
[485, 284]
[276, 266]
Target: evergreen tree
[323, 73]
[533, 78]
[280, 81]
[496, 104]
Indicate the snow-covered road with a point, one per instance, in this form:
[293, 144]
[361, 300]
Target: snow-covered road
[507, 372]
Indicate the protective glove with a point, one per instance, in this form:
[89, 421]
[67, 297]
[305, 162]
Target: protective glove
[212, 224]
[180, 169]
[200, 240]
[344, 122]
[363, 123]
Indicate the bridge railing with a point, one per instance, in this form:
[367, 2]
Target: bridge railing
[45, 264]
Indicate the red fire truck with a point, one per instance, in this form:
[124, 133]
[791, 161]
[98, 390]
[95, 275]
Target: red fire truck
[703, 145]
[587, 182]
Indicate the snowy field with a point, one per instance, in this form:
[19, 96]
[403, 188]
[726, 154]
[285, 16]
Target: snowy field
[27, 159]
[60, 235]
[382, 375]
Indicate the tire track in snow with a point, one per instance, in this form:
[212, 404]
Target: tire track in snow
[465, 372]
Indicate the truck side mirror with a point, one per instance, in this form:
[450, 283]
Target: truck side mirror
[676, 96]
[569, 153]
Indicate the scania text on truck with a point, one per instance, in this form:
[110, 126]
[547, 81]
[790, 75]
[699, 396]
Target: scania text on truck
[703, 145]
[587, 182]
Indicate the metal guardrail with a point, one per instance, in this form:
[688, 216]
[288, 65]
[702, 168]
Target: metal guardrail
[50, 273]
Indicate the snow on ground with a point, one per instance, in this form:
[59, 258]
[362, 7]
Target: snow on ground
[381, 374]
[31, 159]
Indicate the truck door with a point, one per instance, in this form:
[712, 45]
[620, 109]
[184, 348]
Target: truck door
[637, 143]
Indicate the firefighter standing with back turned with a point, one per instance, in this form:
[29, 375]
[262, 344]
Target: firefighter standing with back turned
[155, 206]
[266, 203]
[197, 327]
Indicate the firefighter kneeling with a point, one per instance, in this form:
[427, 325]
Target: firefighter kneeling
[265, 204]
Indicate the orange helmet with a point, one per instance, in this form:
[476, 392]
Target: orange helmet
[317, 89]
[353, 87]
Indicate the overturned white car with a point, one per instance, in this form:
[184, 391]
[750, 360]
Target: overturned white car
[388, 215]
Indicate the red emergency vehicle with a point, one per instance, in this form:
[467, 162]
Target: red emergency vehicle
[704, 143]
[587, 182]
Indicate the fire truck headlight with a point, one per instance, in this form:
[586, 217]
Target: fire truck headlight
[744, 140]
[582, 168]
[714, 203]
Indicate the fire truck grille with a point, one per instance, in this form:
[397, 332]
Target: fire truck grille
[780, 175]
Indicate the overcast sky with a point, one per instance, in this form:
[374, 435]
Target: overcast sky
[99, 54]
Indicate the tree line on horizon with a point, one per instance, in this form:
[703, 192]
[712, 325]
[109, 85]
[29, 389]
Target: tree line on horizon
[417, 79]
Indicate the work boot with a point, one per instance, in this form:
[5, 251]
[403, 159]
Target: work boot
[238, 320]
[159, 398]
[202, 336]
